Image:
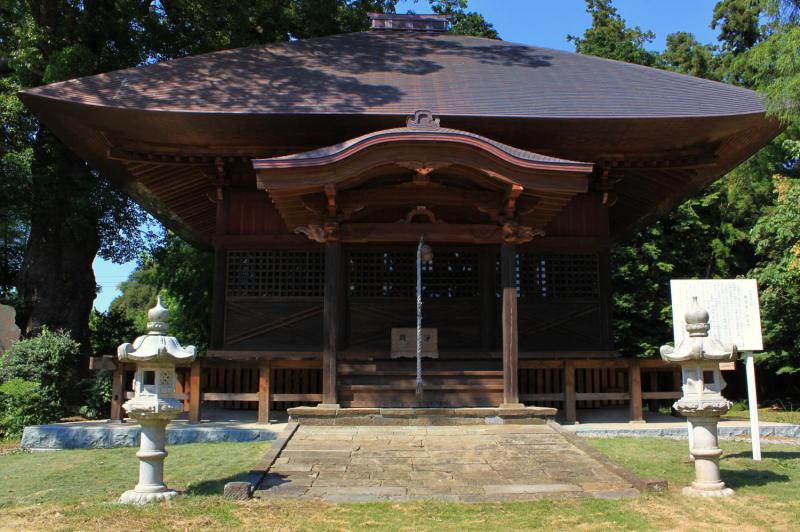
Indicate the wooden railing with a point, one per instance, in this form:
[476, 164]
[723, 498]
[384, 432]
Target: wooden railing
[604, 382]
[569, 384]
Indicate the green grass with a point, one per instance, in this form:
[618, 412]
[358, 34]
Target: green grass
[740, 411]
[103, 474]
[75, 490]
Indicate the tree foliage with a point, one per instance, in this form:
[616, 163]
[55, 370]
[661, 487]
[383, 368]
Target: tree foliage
[708, 236]
[58, 213]
[610, 37]
[463, 22]
[776, 237]
[47, 360]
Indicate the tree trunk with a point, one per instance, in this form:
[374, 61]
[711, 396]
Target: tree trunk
[56, 283]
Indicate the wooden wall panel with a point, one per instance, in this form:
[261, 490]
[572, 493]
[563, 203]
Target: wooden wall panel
[561, 325]
[252, 213]
[273, 323]
[584, 215]
[370, 321]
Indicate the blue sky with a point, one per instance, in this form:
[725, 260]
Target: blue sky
[541, 22]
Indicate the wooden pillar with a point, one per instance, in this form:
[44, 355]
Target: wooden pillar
[570, 404]
[508, 274]
[653, 404]
[331, 324]
[264, 392]
[182, 387]
[677, 380]
[606, 302]
[219, 288]
[635, 381]
[195, 392]
[117, 394]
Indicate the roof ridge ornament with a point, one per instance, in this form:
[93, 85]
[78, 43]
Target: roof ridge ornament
[409, 21]
[423, 119]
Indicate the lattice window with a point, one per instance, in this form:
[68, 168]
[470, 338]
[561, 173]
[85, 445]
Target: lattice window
[557, 275]
[392, 274]
[276, 273]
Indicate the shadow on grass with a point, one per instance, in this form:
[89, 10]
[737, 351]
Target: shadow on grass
[214, 486]
[776, 455]
[739, 478]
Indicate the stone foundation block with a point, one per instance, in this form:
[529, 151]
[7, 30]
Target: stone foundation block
[238, 491]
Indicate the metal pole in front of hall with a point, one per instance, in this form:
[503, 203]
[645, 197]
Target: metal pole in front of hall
[752, 405]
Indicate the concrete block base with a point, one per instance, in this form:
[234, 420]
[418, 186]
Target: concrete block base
[238, 491]
[694, 492]
[139, 498]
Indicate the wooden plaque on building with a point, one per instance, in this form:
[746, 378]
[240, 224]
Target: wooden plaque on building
[404, 342]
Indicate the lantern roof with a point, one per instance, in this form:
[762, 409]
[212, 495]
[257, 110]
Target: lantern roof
[156, 347]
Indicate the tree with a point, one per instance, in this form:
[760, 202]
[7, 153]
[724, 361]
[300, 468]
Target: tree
[185, 275]
[68, 213]
[774, 62]
[182, 274]
[775, 68]
[684, 54]
[776, 237]
[463, 22]
[738, 23]
[708, 235]
[65, 211]
[610, 37]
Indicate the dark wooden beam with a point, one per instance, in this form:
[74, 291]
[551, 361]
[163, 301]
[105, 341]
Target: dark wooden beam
[264, 392]
[195, 374]
[219, 288]
[635, 384]
[403, 232]
[331, 320]
[428, 196]
[393, 233]
[117, 393]
[508, 270]
[570, 412]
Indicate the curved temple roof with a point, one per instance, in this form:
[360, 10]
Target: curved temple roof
[157, 130]
[330, 154]
[399, 72]
[422, 146]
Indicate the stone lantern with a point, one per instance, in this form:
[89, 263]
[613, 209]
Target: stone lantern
[154, 403]
[702, 402]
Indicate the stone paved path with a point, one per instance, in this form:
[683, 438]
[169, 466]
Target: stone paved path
[460, 464]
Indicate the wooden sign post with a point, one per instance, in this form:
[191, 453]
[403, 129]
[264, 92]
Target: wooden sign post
[733, 307]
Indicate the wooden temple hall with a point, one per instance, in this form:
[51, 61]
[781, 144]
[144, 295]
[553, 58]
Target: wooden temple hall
[313, 167]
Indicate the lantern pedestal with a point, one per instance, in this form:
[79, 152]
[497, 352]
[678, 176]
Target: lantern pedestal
[702, 402]
[703, 419]
[153, 421]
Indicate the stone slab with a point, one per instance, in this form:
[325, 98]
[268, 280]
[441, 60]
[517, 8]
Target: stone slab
[102, 435]
[421, 416]
[475, 463]
[726, 430]
[515, 489]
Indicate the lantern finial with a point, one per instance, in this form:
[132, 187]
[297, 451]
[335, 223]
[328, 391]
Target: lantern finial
[158, 318]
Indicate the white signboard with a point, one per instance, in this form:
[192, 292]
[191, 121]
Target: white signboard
[732, 306]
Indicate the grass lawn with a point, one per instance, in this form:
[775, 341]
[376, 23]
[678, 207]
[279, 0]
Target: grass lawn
[765, 414]
[77, 489]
